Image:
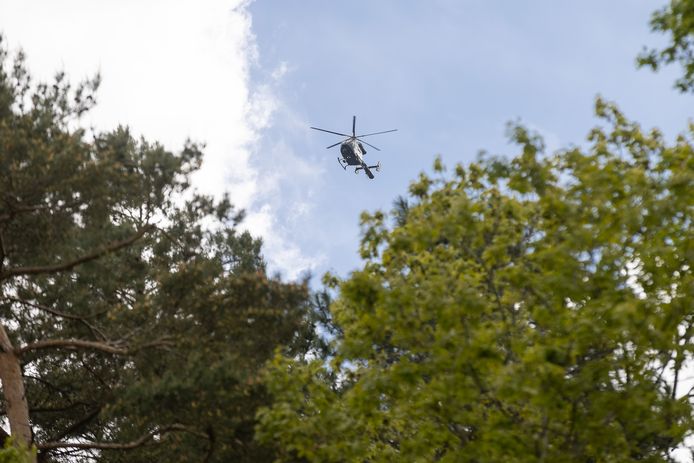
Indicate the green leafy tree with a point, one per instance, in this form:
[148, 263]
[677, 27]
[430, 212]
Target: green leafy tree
[134, 316]
[677, 21]
[537, 309]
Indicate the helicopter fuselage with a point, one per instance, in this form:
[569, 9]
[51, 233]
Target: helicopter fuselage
[352, 153]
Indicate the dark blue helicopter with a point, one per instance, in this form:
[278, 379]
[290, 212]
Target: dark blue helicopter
[353, 151]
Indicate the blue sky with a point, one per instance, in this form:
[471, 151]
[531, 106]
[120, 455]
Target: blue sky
[449, 75]
[250, 77]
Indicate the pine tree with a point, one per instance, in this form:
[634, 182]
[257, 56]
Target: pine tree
[134, 315]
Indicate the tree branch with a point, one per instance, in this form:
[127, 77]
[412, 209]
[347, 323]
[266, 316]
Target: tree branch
[3, 252]
[46, 383]
[115, 246]
[82, 319]
[19, 208]
[55, 312]
[72, 344]
[142, 440]
[84, 344]
[78, 424]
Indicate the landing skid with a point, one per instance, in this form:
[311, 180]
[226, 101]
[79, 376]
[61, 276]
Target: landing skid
[344, 166]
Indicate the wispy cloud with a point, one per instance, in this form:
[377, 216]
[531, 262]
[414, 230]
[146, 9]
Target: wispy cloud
[285, 181]
[174, 70]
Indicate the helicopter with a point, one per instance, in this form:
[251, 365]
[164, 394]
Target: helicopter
[352, 149]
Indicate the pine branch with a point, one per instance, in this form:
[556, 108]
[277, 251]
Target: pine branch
[79, 424]
[82, 319]
[20, 208]
[115, 246]
[52, 311]
[93, 345]
[142, 440]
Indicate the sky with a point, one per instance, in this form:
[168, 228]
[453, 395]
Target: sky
[248, 78]
[449, 75]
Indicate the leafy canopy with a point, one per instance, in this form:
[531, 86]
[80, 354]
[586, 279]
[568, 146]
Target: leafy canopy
[677, 21]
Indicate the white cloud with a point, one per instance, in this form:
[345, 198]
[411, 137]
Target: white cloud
[284, 255]
[280, 71]
[286, 187]
[171, 70]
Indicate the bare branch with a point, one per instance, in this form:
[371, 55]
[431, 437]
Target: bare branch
[50, 310]
[169, 237]
[109, 348]
[82, 319]
[115, 246]
[79, 424]
[68, 407]
[142, 440]
[20, 208]
[46, 383]
[72, 344]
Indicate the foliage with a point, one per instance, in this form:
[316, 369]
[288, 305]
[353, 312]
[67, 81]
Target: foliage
[537, 309]
[14, 454]
[676, 19]
[140, 313]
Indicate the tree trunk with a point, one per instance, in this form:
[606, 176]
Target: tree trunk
[13, 389]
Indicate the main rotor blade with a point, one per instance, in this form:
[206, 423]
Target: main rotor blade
[376, 133]
[369, 144]
[338, 143]
[354, 125]
[330, 131]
